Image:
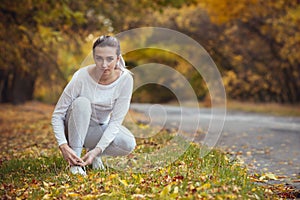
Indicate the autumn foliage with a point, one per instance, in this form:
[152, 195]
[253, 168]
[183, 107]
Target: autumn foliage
[254, 43]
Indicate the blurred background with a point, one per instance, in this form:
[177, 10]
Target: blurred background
[254, 43]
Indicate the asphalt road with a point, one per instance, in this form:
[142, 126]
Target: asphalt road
[265, 143]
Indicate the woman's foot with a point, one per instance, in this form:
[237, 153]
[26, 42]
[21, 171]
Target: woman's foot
[77, 170]
[98, 164]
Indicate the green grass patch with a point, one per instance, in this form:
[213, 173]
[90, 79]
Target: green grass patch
[190, 176]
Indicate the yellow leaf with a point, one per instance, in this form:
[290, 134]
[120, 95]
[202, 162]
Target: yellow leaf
[73, 194]
[134, 176]
[45, 184]
[90, 196]
[205, 186]
[270, 176]
[112, 176]
[175, 190]
[137, 190]
[124, 182]
[47, 196]
[165, 191]
[138, 196]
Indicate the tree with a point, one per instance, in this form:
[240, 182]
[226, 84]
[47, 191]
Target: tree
[267, 62]
[34, 34]
[31, 32]
[254, 43]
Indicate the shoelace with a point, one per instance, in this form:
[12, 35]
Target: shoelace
[84, 169]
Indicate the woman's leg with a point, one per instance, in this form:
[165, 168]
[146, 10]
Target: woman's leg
[122, 145]
[78, 120]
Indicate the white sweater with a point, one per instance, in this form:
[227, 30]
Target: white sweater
[110, 103]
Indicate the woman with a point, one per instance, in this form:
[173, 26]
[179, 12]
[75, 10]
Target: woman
[92, 107]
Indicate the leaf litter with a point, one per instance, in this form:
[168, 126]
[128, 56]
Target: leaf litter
[31, 167]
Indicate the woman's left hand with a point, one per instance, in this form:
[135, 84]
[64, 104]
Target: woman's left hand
[90, 156]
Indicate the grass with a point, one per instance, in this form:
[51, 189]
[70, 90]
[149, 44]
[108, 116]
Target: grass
[211, 177]
[36, 170]
[265, 108]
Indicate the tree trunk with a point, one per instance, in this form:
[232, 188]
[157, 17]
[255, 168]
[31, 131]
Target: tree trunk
[17, 86]
[5, 86]
[23, 86]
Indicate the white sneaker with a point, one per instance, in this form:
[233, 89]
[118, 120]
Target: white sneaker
[98, 164]
[77, 170]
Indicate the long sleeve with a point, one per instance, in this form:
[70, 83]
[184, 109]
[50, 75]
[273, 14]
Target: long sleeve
[70, 92]
[118, 114]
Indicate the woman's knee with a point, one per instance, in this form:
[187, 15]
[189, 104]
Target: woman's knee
[124, 145]
[128, 139]
[81, 104]
[131, 144]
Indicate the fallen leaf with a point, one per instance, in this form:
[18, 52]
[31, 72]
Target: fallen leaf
[268, 176]
[124, 182]
[165, 191]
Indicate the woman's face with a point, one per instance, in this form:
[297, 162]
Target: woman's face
[106, 59]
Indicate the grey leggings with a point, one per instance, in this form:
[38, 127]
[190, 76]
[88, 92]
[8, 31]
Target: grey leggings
[81, 131]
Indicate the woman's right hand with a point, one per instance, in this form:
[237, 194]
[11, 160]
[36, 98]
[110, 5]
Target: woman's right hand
[70, 156]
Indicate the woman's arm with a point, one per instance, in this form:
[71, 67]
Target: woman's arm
[70, 92]
[119, 112]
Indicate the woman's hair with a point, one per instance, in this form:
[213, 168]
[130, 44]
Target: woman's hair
[106, 40]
